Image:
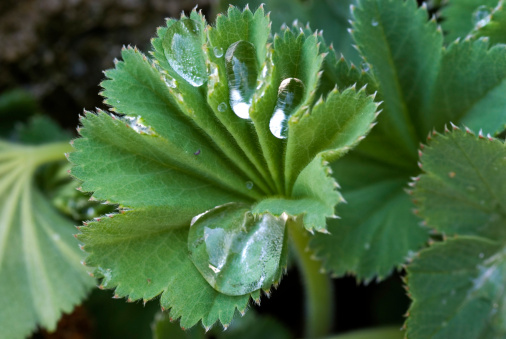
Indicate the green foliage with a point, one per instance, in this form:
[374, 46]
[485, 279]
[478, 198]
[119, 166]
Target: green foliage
[423, 86]
[457, 285]
[216, 140]
[40, 271]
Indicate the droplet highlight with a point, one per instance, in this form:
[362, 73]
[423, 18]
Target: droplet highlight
[249, 185]
[182, 46]
[222, 107]
[218, 52]
[374, 22]
[242, 72]
[290, 94]
[481, 16]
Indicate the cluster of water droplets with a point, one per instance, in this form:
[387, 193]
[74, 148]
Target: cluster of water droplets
[136, 124]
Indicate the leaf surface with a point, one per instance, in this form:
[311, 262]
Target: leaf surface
[40, 272]
[457, 286]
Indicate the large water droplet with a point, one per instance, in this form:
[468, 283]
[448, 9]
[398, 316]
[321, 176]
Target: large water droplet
[242, 72]
[481, 16]
[236, 252]
[290, 95]
[183, 49]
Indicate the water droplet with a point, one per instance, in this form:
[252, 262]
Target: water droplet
[444, 324]
[169, 81]
[249, 185]
[182, 46]
[367, 246]
[374, 22]
[238, 253]
[218, 52]
[481, 255]
[242, 72]
[137, 125]
[443, 301]
[118, 101]
[290, 95]
[365, 66]
[222, 107]
[452, 292]
[56, 236]
[481, 16]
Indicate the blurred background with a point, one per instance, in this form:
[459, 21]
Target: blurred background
[54, 51]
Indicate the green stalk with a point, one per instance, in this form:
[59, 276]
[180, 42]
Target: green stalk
[48, 152]
[318, 287]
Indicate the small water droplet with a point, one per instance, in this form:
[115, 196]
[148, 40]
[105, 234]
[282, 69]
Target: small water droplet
[249, 185]
[242, 72]
[444, 324]
[290, 94]
[374, 22]
[218, 52]
[367, 246]
[443, 301]
[182, 46]
[452, 292]
[118, 101]
[169, 81]
[56, 236]
[481, 255]
[365, 66]
[481, 16]
[222, 107]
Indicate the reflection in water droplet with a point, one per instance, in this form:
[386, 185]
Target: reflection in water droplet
[290, 95]
[222, 107]
[242, 71]
[238, 253]
[249, 185]
[481, 16]
[365, 66]
[183, 49]
[374, 22]
[218, 52]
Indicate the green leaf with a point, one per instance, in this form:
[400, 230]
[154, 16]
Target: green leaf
[373, 333]
[40, 271]
[470, 87]
[382, 31]
[494, 26]
[314, 197]
[236, 251]
[461, 16]
[458, 290]
[463, 188]
[457, 286]
[423, 87]
[144, 262]
[331, 17]
[181, 143]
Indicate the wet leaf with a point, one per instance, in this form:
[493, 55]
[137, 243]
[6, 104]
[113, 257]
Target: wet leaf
[236, 251]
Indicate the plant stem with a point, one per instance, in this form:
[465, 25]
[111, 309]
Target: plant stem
[318, 287]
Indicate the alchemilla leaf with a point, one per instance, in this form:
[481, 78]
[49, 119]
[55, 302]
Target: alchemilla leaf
[423, 86]
[211, 145]
[457, 286]
[40, 272]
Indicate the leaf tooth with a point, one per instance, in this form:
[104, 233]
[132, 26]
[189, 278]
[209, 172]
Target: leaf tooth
[267, 293]
[419, 165]
[411, 184]
[257, 301]
[417, 178]
[207, 328]
[490, 137]
[480, 134]
[225, 326]
[420, 153]
[116, 296]
[454, 127]
[408, 191]
[101, 287]
[446, 129]
[81, 247]
[91, 274]
[323, 230]
[468, 130]
[334, 216]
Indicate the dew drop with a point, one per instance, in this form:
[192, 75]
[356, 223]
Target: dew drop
[365, 66]
[481, 16]
[443, 301]
[222, 107]
[249, 185]
[169, 81]
[290, 95]
[218, 52]
[182, 46]
[242, 72]
[374, 22]
[481, 255]
[56, 236]
[367, 246]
